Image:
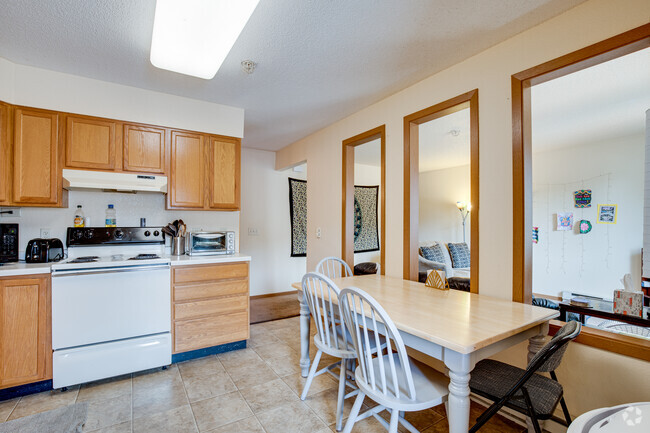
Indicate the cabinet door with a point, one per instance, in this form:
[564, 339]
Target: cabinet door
[36, 150]
[144, 149]
[90, 143]
[187, 170]
[225, 163]
[25, 332]
[5, 155]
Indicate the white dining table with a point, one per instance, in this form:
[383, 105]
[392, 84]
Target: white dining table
[455, 327]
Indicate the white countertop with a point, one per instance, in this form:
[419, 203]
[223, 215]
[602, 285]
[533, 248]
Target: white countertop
[201, 260]
[22, 268]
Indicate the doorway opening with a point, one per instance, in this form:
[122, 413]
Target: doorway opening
[364, 200]
[441, 192]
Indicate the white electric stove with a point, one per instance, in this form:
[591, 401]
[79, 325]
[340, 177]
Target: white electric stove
[111, 306]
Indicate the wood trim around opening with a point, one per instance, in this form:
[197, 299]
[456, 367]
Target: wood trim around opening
[617, 46]
[411, 180]
[347, 217]
[612, 342]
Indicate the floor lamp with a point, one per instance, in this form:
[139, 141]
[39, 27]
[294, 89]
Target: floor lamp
[464, 209]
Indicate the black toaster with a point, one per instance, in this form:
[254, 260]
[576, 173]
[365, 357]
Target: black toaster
[44, 250]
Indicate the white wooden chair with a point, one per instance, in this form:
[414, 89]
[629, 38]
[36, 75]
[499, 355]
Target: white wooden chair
[333, 267]
[394, 381]
[331, 336]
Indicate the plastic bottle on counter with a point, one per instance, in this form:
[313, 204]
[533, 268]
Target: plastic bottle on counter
[111, 216]
[79, 217]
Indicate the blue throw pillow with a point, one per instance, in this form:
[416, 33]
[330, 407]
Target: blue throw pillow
[459, 255]
[433, 253]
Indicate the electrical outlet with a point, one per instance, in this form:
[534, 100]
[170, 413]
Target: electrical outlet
[45, 233]
[252, 231]
[9, 212]
[318, 232]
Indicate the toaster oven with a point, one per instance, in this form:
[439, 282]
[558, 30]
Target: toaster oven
[209, 243]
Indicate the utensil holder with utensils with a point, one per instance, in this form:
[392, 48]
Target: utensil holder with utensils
[178, 246]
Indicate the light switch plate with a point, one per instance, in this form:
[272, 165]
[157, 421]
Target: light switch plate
[252, 231]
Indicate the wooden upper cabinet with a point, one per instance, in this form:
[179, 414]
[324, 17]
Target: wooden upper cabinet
[25, 331]
[90, 143]
[36, 179]
[5, 154]
[186, 188]
[144, 149]
[224, 176]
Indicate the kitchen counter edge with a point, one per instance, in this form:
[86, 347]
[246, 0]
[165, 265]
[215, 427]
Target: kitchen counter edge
[206, 260]
[20, 269]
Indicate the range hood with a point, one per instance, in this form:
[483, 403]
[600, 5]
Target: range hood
[113, 182]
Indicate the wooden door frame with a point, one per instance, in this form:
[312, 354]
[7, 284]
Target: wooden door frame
[522, 189]
[347, 241]
[412, 187]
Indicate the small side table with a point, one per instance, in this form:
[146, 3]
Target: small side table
[604, 310]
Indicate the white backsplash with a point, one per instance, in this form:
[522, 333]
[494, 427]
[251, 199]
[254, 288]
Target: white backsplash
[130, 208]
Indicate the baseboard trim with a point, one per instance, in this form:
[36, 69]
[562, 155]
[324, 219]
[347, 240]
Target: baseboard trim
[200, 353]
[21, 390]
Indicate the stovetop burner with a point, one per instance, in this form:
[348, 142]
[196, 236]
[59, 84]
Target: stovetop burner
[85, 259]
[145, 257]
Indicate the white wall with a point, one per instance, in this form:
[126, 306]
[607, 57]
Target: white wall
[369, 175]
[591, 263]
[130, 208]
[440, 219]
[265, 207]
[490, 72]
[646, 194]
[34, 87]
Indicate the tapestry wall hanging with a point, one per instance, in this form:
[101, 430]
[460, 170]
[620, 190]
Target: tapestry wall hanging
[366, 230]
[298, 215]
[366, 233]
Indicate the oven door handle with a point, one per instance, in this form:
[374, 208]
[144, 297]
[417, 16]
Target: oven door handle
[116, 269]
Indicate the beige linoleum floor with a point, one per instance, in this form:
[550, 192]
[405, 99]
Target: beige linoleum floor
[251, 390]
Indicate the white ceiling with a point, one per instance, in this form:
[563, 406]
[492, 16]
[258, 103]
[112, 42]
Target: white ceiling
[604, 102]
[318, 61]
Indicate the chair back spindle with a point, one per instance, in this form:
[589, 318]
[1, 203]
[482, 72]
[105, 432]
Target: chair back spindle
[389, 372]
[321, 294]
[333, 267]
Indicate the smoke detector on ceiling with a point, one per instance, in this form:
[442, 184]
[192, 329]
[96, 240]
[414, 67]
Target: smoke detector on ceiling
[248, 66]
[455, 132]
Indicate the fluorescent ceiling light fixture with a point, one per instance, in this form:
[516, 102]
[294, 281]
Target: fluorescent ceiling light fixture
[193, 37]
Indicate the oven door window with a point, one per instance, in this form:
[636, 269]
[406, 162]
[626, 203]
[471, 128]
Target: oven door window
[208, 242]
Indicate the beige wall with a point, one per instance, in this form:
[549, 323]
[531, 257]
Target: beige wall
[490, 72]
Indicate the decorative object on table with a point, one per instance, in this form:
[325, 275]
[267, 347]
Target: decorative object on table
[582, 198]
[585, 226]
[564, 221]
[607, 213]
[464, 209]
[366, 228]
[436, 280]
[298, 214]
[628, 301]
[535, 235]
[580, 301]
[460, 256]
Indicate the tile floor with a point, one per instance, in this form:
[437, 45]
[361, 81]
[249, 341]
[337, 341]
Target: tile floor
[251, 390]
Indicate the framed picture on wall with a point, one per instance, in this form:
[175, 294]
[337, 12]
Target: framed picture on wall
[607, 213]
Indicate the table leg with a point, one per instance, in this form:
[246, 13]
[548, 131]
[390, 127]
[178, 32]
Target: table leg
[537, 342]
[459, 366]
[304, 335]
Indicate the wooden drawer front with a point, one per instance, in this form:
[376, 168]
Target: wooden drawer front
[210, 331]
[210, 272]
[188, 310]
[210, 290]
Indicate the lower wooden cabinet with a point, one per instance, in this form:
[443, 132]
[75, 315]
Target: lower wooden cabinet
[25, 330]
[210, 305]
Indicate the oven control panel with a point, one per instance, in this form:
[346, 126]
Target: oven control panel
[114, 235]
